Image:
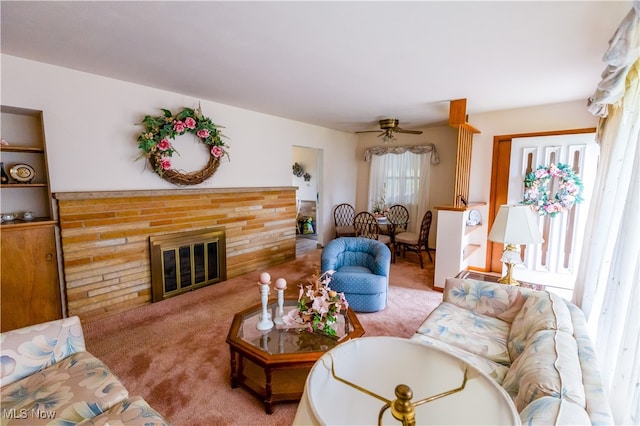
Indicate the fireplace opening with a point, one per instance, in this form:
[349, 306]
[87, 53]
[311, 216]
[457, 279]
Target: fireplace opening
[185, 261]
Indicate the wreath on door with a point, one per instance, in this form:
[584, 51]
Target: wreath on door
[159, 132]
[539, 183]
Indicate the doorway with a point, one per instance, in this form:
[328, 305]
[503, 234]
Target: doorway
[556, 260]
[307, 178]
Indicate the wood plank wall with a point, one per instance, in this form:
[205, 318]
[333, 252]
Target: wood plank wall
[105, 238]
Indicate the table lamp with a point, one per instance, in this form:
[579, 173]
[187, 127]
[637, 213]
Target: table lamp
[514, 225]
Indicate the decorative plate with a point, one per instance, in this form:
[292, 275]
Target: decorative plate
[474, 218]
[22, 173]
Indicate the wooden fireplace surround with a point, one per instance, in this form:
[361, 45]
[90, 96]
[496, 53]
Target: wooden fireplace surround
[105, 238]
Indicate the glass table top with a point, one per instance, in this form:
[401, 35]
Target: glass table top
[283, 340]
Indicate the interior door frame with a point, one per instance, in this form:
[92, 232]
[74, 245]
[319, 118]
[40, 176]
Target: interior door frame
[500, 164]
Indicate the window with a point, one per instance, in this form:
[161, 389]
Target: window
[400, 179]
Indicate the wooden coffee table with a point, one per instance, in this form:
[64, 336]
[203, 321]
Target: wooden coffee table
[274, 364]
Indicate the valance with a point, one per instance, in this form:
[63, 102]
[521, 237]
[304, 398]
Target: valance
[623, 52]
[415, 149]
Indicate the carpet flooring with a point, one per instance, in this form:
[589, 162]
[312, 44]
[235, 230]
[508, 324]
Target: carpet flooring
[173, 353]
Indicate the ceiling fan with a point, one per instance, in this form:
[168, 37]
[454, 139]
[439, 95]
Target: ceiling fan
[388, 127]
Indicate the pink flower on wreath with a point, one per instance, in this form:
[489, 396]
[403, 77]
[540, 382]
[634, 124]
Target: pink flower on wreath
[164, 145]
[540, 173]
[165, 163]
[190, 123]
[203, 133]
[217, 152]
[178, 126]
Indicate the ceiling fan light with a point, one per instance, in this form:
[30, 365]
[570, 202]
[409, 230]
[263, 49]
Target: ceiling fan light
[388, 137]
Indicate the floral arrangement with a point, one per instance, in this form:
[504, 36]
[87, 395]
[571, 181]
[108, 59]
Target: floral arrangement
[318, 306]
[537, 191]
[155, 140]
[380, 205]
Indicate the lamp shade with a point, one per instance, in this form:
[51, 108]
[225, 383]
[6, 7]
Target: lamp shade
[515, 224]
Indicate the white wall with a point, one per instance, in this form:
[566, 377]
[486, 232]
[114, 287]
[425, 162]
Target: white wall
[91, 132]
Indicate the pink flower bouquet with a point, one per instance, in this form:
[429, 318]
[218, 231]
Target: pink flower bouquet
[318, 306]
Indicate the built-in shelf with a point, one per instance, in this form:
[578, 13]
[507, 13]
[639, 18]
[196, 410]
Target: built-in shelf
[459, 245]
[24, 185]
[33, 149]
[20, 223]
[34, 297]
[469, 249]
[469, 229]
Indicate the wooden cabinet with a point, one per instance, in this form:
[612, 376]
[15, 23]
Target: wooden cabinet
[30, 285]
[29, 278]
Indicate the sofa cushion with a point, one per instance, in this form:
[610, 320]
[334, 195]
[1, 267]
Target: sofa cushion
[548, 366]
[479, 334]
[492, 369]
[549, 410]
[30, 349]
[355, 268]
[134, 411]
[486, 298]
[541, 311]
[76, 388]
[598, 406]
[351, 282]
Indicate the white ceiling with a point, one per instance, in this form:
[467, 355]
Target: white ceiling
[342, 65]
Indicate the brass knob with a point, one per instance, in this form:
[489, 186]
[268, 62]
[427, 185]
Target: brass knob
[402, 409]
[49, 256]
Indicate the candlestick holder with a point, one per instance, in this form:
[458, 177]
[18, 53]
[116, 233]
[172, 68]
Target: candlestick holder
[281, 285]
[265, 322]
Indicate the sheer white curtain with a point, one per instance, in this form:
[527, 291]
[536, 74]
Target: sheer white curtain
[607, 286]
[401, 179]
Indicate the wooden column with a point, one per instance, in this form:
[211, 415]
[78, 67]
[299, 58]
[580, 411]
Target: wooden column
[458, 119]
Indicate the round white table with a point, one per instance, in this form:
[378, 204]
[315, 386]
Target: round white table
[379, 364]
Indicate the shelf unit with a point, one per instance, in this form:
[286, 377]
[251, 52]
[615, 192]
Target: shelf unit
[457, 243]
[23, 129]
[29, 274]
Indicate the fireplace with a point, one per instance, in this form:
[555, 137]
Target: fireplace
[185, 261]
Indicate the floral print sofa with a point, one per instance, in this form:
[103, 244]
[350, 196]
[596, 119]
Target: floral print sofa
[534, 343]
[48, 378]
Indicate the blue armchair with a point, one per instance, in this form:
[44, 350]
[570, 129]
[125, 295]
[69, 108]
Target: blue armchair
[361, 268]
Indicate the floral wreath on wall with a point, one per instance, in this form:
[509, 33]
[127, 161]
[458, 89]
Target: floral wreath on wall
[156, 146]
[537, 194]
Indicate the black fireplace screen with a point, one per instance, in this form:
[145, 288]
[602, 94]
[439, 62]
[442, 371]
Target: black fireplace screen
[186, 261]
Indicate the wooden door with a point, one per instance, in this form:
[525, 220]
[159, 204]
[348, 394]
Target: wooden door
[30, 292]
[500, 179]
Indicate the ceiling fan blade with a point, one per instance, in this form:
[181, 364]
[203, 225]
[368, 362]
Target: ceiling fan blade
[368, 131]
[413, 132]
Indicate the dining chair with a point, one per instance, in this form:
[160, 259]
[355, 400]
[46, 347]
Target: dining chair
[366, 225]
[343, 216]
[415, 241]
[398, 215]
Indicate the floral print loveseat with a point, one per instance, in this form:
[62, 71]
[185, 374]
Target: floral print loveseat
[48, 378]
[534, 343]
